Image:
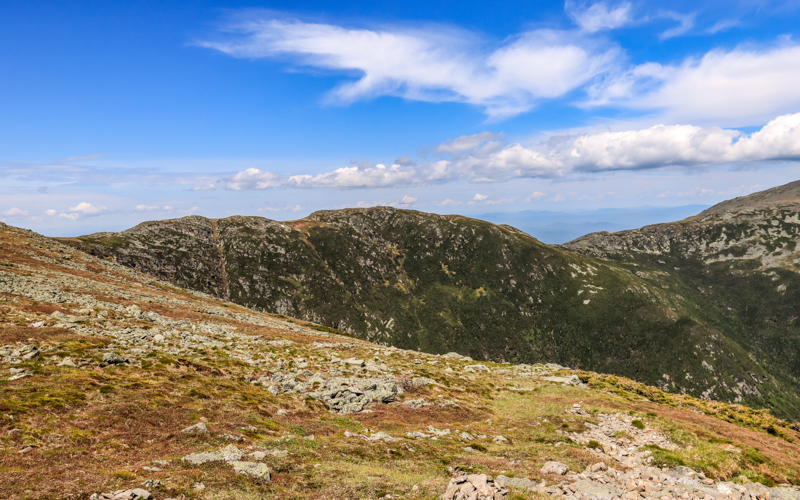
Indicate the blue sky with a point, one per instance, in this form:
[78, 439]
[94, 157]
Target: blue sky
[119, 112]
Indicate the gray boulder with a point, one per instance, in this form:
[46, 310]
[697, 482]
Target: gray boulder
[253, 469]
[555, 468]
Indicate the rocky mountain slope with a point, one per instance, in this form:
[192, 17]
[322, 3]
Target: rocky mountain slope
[116, 385]
[740, 255]
[449, 283]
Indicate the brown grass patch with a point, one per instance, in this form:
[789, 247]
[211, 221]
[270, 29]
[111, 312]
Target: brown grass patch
[400, 416]
[10, 334]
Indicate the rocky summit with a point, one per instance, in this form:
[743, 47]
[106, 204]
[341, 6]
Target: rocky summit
[706, 306]
[117, 385]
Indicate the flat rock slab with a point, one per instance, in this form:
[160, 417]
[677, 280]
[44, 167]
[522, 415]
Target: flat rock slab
[516, 482]
[228, 454]
[783, 493]
[601, 491]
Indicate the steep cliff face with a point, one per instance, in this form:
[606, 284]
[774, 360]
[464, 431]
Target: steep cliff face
[450, 283]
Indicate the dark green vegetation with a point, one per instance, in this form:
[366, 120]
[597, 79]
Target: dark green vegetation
[707, 306]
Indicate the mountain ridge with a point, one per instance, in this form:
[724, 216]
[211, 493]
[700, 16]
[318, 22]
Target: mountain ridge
[453, 283]
[124, 386]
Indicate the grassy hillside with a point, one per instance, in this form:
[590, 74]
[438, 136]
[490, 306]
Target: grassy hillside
[449, 283]
[109, 368]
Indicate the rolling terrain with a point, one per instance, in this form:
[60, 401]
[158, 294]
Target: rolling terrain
[117, 385]
[705, 307]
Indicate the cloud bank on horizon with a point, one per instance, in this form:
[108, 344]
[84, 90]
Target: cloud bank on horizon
[485, 157]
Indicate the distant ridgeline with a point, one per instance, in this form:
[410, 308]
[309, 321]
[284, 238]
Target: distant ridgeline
[707, 306]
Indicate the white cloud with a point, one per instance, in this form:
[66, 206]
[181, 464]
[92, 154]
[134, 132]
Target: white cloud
[483, 158]
[407, 200]
[448, 201]
[253, 178]
[51, 212]
[741, 87]
[686, 22]
[72, 159]
[434, 64]
[72, 216]
[168, 207]
[535, 196]
[655, 147]
[598, 16]
[293, 208]
[15, 211]
[467, 142]
[723, 25]
[86, 208]
[358, 177]
[147, 207]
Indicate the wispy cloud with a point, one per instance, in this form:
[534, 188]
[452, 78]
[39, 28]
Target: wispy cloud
[434, 64]
[723, 25]
[685, 23]
[598, 16]
[80, 158]
[740, 87]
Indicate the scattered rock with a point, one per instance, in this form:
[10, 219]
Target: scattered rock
[198, 428]
[500, 440]
[455, 355]
[67, 362]
[253, 469]
[112, 358]
[595, 489]
[228, 454]
[134, 494]
[516, 482]
[474, 487]
[555, 468]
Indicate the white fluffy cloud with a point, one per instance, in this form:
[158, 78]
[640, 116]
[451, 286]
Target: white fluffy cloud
[483, 158]
[655, 147]
[86, 208]
[434, 64]
[358, 177]
[253, 178]
[535, 196]
[15, 211]
[735, 88]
